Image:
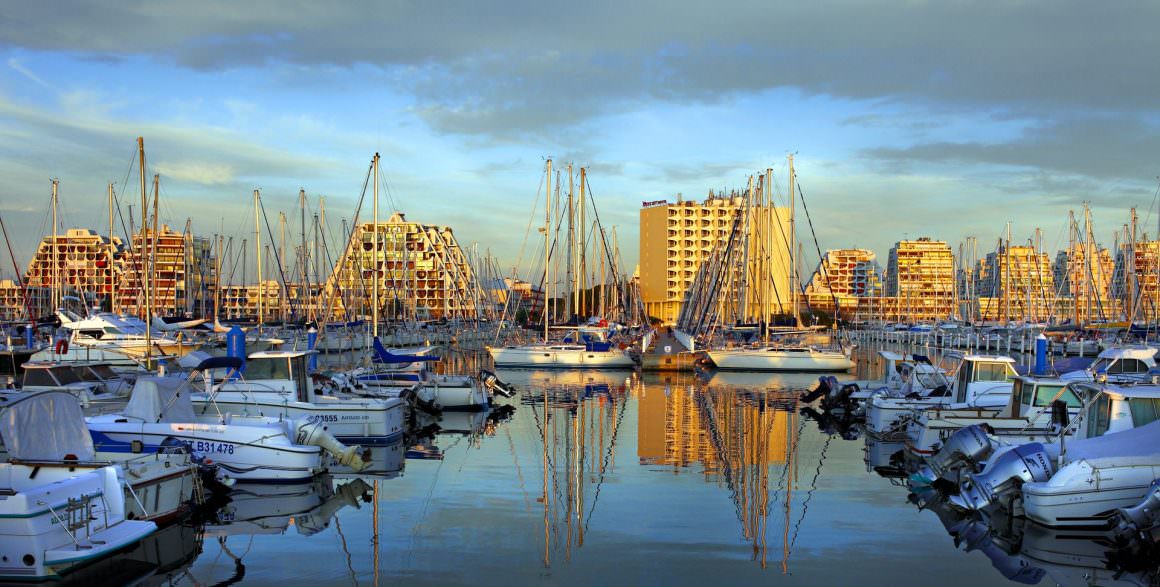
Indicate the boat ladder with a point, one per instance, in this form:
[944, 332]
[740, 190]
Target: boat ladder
[77, 514]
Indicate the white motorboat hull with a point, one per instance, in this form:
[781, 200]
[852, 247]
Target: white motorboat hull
[351, 421]
[245, 453]
[541, 357]
[38, 513]
[458, 393]
[780, 360]
[1083, 495]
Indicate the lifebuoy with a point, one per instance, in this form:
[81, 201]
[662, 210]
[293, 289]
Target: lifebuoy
[62, 346]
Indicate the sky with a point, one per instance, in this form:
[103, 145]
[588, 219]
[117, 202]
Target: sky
[945, 119]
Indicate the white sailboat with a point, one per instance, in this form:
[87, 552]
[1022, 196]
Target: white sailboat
[582, 351]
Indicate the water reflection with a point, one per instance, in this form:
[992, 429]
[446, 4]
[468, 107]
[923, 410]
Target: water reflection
[579, 416]
[742, 431]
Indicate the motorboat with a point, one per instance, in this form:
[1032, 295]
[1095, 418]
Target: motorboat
[277, 384]
[55, 515]
[903, 375]
[1082, 482]
[105, 331]
[246, 448]
[1027, 417]
[1118, 364]
[979, 381]
[444, 392]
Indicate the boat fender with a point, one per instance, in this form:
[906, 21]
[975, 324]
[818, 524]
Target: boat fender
[61, 347]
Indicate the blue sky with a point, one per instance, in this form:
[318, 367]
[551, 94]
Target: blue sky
[945, 119]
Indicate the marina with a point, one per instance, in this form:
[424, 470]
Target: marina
[601, 294]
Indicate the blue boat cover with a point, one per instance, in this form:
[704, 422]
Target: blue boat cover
[382, 355]
[219, 363]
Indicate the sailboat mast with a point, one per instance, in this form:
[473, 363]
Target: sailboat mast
[583, 241]
[145, 287]
[375, 251]
[795, 283]
[152, 260]
[547, 242]
[258, 252]
[306, 289]
[56, 287]
[109, 279]
[573, 249]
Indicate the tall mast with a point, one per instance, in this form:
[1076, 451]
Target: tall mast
[217, 288]
[145, 286]
[794, 281]
[152, 260]
[547, 242]
[258, 264]
[573, 248]
[306, 289]
[375, 251]
[109, 279]
[583, 241]
[56, 287]
[285, 299]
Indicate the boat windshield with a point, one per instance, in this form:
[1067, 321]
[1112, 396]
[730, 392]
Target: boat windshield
[993, 372]
[1145, 410]
[930, 380]
[1042, 395]
[268, 368]
[1100, 416]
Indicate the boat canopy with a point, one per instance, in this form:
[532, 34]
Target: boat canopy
[46, 426]
[1141, 441]
[160, 399]
[382, 355]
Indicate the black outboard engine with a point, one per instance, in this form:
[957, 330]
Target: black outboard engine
[823, 389]
[966, 447]
[1003, 477]
[1142, 520]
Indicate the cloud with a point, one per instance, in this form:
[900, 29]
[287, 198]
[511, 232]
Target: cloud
[1105, 147]
[522, 69]
[197, 172]
[16, 65]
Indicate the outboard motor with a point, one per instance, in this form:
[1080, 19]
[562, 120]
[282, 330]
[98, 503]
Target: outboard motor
[977, 535]
[839, 397]
[310, 431]
[822, 389]
[493, 383]
[1004, 476]
[1138, 520]
[966, 447]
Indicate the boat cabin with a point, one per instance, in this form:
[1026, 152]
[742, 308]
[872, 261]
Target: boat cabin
[912, 371]
[1121, 362]
[979, 374]
[1115, 408]
[280, 371]
[1036, 394]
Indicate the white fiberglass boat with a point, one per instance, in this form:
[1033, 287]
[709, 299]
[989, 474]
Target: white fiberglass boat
[1081, 482]
[276, 384]
[55, 516]
[1118, 364]
[980, 381]
[1027, 417]
[781, 358]
[246, 448]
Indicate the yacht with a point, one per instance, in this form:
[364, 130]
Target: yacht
[1118, 364]
[562, 355]
[782, 358]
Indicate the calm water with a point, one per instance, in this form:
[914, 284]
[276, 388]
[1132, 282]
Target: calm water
[596, 477]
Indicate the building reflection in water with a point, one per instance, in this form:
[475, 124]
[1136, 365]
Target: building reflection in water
[741, 436]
